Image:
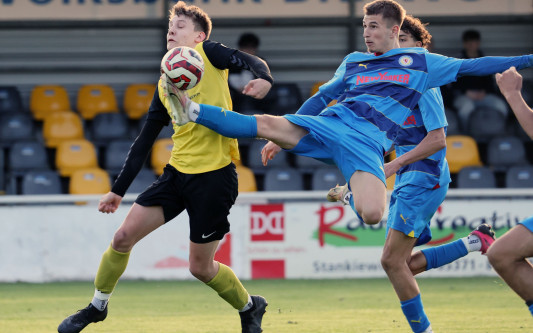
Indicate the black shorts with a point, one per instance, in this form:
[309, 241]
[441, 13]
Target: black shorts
[207, 197]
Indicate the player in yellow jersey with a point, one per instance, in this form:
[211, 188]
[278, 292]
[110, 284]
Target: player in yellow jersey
[199, 178]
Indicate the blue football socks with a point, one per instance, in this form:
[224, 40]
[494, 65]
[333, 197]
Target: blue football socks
[444, 254]
[415, 315]
[227, 123]
[530, 306]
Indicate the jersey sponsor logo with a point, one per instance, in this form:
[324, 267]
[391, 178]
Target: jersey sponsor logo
[403, 78]
[267, 222]
[405, 61]
[410, 121]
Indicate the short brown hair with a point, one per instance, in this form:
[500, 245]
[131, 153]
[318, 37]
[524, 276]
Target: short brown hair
[417, 29]
[391, 10]
[201, 20]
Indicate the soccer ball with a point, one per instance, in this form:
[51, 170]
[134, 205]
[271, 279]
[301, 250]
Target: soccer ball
[184, 66]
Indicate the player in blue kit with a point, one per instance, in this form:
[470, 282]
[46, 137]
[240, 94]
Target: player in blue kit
[508, 255]
[421, 184]
[376, 93]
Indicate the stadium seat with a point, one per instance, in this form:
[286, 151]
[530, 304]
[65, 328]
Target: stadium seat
[476, 177]
[89, 181]
[41, 182]
[137, 99]
[504, 152]
[106, 127]
[486, 123]
[283, 179]
[314, 90]
[454, 125]
[246, 179]
[144, 178]
[25, 156]
[161, 155]
[10, 100]
[461, 151]
[115, 156]
[254, 158]
[519, 177]
[307, 164]
[390, 182]
[2, 173]
[46, 99]
[72, 155]
[94, 99]
[16, 126]
[325, 178]
[283, 98]
[61, 126]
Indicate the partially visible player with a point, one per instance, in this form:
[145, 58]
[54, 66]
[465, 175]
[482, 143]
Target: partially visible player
[421, 185]
[199, 178]
[508, 255]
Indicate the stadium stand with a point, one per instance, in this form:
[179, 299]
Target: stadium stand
[73, 155]
[325, 178]
[519, 177]
[41, 182]
[283, 179]
[283, 98]
[10, 99]
[144, 178]
[461, 151]
[16, 126]
[454, 125]
[60, 126]
[254, 158]
[115, 156]
[137, 99]
[25, 156]
[307, 164]
[505, 152]
[46, 99]
[246, 178]
[94, 99]
[161, 155]
[89, 181]
[486, 123]
[106, 127]
[476, 177]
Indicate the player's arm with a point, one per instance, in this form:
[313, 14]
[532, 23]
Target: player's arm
[510, 83]
[137, 155]
[223, 57]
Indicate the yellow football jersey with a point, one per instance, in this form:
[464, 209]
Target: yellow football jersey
[198, 149]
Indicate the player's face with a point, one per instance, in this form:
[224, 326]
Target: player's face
[181, 33]
[379, 38]
[407, 40]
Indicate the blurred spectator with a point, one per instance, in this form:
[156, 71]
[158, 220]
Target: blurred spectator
[249, 43]
[475, 91]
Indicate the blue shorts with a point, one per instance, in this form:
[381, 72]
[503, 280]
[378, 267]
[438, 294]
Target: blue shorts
[331, 140]
[411, 209]
[528, 223]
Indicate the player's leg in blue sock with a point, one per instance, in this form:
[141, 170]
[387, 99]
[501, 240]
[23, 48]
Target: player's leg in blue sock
[530, 306]
[415, 315]
[227, 123]
[444, 254]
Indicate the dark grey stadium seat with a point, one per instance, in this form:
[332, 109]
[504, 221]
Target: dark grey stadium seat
[16, 126]
[326, 178]
[254, 158]
[10, 100]
[283, 179]
[109, 126]
[307, 164]
[115, 156]
[486, 123]
[283, 98]
[519, 177]
[454, 125]
[476, 177]
[41, 182]
[27, 155]
[505, 152]
[144, 179]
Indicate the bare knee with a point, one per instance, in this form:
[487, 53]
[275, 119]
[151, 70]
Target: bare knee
[123, 241]
[389, 262]
[201, 271]
[372, 216]
[497, 258]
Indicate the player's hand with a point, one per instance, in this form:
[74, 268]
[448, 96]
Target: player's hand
[269, 151]
[109, 203]
[391, 168]
[509, 81]
[257, 88]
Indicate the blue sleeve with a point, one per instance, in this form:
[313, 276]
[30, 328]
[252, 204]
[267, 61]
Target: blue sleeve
[336, 86]
[314, 105]
[492, 65]
[432, 109]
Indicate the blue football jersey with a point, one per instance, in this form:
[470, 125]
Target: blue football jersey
[427, 116]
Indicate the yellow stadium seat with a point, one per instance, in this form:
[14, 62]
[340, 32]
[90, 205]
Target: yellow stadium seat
[46, 99]
[94, 99]
[161, 154]
[390, 182]
[314, 90]
[137, 99]
[61, 126]
[246, 179]
[89, 181]
[461, 151]
[72, 155]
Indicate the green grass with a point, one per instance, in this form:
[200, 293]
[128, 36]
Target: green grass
[311, 306]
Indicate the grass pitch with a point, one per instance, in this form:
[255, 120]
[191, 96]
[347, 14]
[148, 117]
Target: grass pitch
[310, 306]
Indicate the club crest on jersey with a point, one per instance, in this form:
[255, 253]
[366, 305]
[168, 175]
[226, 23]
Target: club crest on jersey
[405, 61]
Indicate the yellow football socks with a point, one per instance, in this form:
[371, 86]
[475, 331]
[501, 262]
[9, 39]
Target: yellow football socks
[112, 265]
[228, 286]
